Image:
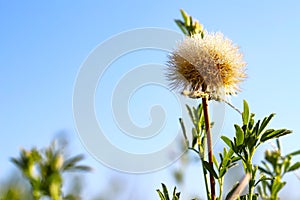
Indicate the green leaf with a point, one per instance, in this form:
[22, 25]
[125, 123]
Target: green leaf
[262, 178]
[232, 165]
[271, 134]
[196, 116]
[210, 169]
[286, 163]
[235, 159]
[176, 195]
[294, 167]
[266, 133]
[294, 153]
[70, 164]
[192, 116]
[227, 141]
[264, 171]
[161, 196]
[277, 185]
[165, 191]
[255, 130]
[245, 114]
[180, 24]
[278, 144]
[215, 162]
[195, 137]
[251, 121]
[265, 122]
[184, 132]
[185, 17]
[82, 168]
[223, 172]
[227, 157]
[239, 135]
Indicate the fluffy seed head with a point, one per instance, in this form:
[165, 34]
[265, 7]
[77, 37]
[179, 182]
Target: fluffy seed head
[212, 64]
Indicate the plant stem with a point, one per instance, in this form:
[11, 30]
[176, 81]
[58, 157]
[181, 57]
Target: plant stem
[205, 179]
[252, 180]
[209, 145]
[202, 158]
[251, 170]
[221, 181]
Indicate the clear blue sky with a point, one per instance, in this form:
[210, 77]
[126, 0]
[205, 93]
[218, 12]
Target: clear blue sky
[43, 45]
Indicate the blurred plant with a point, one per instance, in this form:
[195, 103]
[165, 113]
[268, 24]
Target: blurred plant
[44, 170]
[14, 188]
[275, 166]
[164, 194]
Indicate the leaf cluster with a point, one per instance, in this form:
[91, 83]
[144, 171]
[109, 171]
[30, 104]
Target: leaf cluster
[274, 167]
[44, 169]
[189, 26]
[164, 194]
[252, 134]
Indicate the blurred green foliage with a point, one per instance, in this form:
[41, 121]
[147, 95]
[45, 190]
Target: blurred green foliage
[43, 169]
[273, 168]
[164, 194]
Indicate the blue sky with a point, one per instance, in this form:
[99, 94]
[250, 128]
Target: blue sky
[43, 46]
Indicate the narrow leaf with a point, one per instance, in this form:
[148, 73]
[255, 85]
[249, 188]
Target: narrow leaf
[265, 122]
[184, 131]
[210, 169]
[275, 134]
[161, 196]
[191, 116]
[185, 17]
[165, 191]
[215, 162]
[176, 195]
[264, 171]
[180, 24]
[227, 141]
[294, 153]
[262, 178]
[245, 114]
[256, 129]
[278, 145]
[266, 133]
[239, 135]
[294, 167]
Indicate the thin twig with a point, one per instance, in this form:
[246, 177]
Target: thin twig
[191, 148]
[199, 94]
[231, 105]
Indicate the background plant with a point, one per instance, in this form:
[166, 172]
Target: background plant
[273, 169]
[44, 170]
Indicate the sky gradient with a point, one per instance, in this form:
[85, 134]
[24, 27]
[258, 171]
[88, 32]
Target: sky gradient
[43, 46]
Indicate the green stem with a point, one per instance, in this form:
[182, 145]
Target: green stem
[209, 145]
[221, 181]
[251, 188]
[205, 180]
[202, 158]
[252, 170]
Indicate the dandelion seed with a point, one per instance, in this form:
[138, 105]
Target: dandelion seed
[212, 64]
